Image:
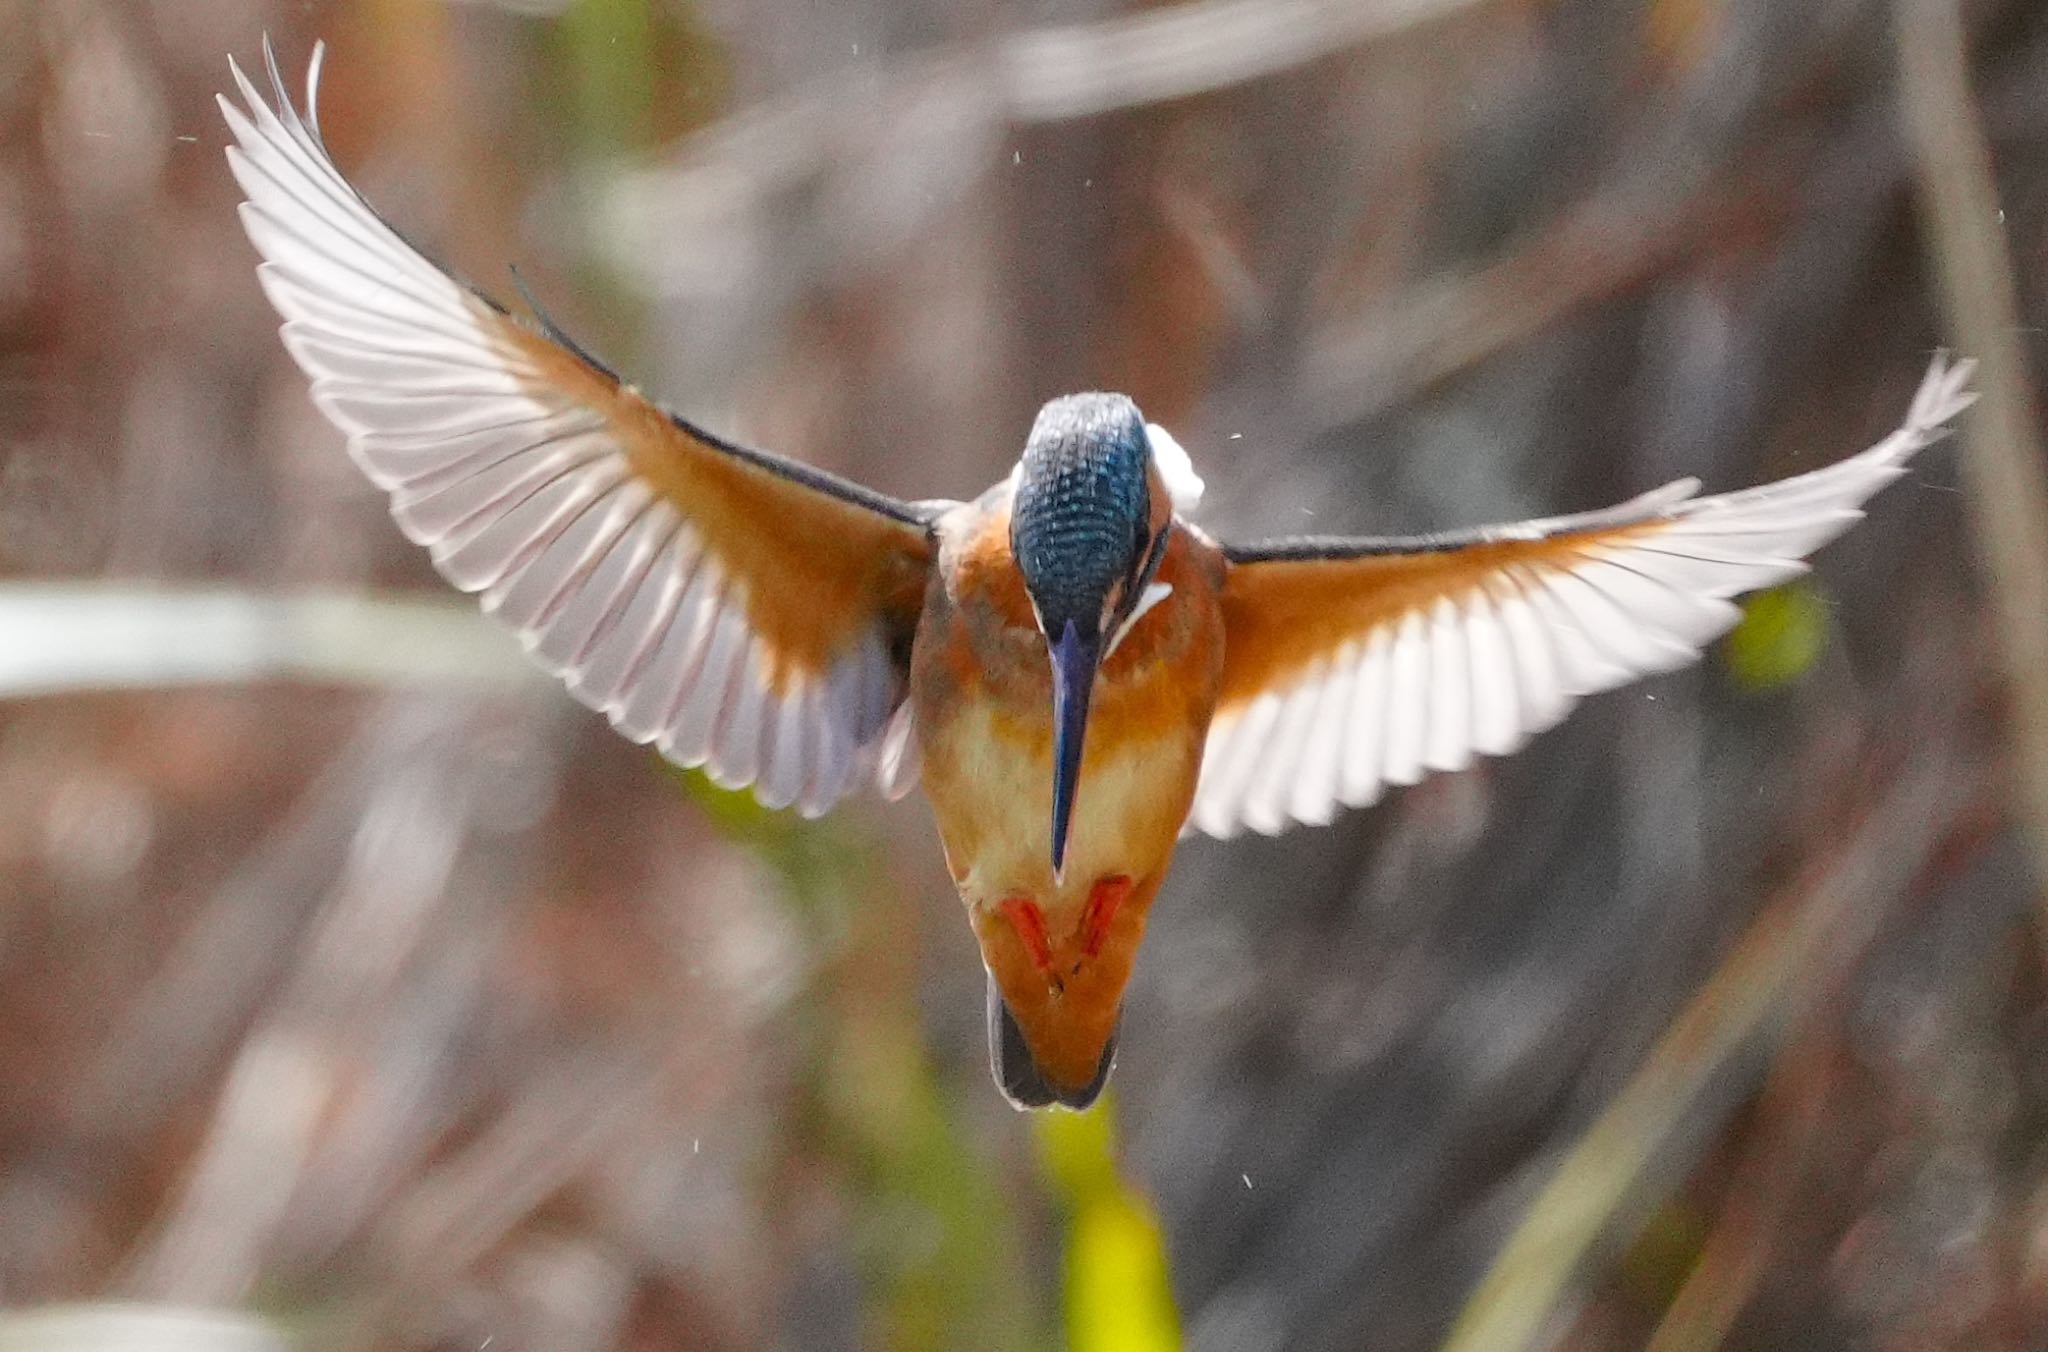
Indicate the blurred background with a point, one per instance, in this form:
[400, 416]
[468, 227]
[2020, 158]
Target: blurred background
[358, 989]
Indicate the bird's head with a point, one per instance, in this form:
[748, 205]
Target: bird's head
[1091, 510]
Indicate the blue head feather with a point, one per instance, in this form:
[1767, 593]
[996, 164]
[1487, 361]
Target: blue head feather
[1081, 515]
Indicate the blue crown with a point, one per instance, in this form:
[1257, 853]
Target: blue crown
[1081, 514]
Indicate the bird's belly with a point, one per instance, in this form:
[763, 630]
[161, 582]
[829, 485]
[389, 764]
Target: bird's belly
[988, 772]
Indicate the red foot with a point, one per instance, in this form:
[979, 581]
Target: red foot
[1029, 922]
[1104, 900]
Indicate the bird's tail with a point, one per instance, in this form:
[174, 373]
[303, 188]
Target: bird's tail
[1017, 1072]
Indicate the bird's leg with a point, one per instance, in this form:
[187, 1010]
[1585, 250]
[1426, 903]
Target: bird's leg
[1029, 922]
[1104, 900]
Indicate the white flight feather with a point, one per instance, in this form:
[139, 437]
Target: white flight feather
[1481, 670]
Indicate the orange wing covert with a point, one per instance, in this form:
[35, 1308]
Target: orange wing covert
[1353, 664]
[742, 612]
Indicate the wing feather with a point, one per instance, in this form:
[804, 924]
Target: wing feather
[741, 612]
[1350, 665]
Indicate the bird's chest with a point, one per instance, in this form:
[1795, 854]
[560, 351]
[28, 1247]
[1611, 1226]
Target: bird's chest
[982, 696]
[988, 771]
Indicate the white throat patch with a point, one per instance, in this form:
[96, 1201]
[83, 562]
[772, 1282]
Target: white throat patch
[1153, 594]
[1176, 471]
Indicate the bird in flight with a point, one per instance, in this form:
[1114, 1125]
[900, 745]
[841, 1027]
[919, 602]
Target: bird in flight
[1074, 670]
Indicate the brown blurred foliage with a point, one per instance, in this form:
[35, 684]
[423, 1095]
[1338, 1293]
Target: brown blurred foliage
[440, 1017]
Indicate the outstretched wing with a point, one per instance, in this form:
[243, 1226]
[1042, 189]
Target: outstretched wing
[740, 611]
[1353, 664]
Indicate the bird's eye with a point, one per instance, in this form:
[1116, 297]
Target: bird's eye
[1151, 557]
[1124, 595]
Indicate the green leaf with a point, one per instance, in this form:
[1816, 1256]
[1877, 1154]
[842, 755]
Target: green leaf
[1118, 1294]
[608, 50]
[1781, 634]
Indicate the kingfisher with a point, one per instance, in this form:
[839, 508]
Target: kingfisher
[1074, 670]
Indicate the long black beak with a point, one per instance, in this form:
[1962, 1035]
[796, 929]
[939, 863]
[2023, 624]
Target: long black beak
[1074, 656]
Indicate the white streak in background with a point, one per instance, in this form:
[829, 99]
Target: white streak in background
[526, 9]
[1186, 49]
[135, 1327]
[61, 637]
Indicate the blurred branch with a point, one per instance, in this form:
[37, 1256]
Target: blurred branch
[1776, 971]
[300, 1067]
[1173, 53]
[943, 110]
[2005, 469]
[576, 1112]
[1616, 239]
[185, 1018]
[1739, 1251]
[1411, 341]
[61, 637]
[1667, 217]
